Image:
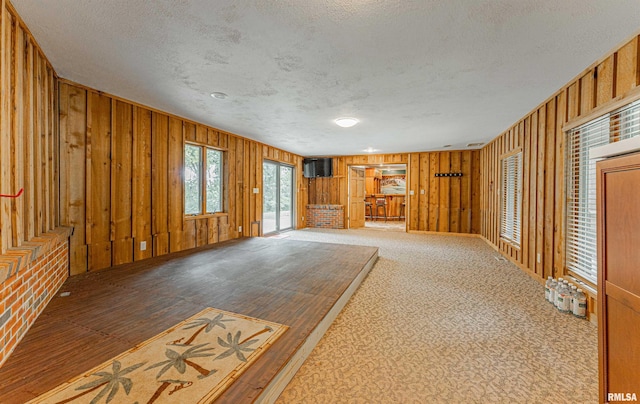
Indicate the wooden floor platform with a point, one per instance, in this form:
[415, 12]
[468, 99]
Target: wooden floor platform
[301, 284]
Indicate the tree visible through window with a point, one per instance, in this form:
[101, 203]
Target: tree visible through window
[192, 179]
[214, 181]
[202, 180]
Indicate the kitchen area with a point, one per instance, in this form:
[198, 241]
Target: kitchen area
[385, 195]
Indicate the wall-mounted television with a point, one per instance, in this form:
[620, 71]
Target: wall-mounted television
[318, 167]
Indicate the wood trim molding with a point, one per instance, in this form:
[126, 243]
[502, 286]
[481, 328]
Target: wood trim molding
[618, 102]
[623, 296]
[196, 143]
[510, 153]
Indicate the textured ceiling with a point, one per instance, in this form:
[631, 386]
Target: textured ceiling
[419, 74]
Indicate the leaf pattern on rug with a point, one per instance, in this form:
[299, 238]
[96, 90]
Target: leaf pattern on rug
[206, 325]
[175, 366]
[235, 346]
[180, 361]
[111, 382]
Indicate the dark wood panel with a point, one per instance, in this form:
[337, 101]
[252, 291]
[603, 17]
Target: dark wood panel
[73, 115]
[159, 176]
[142, 183]
[99, 182]
[627, 67]
[122, 141]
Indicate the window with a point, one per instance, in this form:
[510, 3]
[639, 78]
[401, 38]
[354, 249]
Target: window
[214, 180]
[202, 180]
[511, 206]
[581, 247]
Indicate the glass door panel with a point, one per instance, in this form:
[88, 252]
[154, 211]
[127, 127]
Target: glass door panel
[270, 197]
[277, 202]
[286, 198]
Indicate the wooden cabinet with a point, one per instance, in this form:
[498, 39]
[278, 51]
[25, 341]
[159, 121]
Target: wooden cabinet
[618, 191]
[372, 178]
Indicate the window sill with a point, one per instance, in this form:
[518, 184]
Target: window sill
[583, 283]
[510, 243]
[206, 216]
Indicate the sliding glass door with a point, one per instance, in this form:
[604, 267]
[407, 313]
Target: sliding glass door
[278, 201]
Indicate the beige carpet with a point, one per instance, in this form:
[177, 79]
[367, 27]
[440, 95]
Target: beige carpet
[388, 225]
[440, 320]
[192, 362]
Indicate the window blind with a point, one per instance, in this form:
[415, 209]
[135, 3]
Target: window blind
[511, 205]
[581, 247]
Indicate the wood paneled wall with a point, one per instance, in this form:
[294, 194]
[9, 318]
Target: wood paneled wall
[610, 81]
[333, 190]
[448, 204]
[29, 135]
[445, 204]
[121, 181]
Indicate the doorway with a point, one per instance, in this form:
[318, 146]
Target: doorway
[356, 197]
[277, 200]
[384, 203]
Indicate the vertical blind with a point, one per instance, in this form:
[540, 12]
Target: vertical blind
[581, 248]
[511, 198]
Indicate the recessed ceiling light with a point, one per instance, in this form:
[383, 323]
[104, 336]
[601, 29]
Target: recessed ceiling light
[219, 96]
[370, 150]
[346, 122]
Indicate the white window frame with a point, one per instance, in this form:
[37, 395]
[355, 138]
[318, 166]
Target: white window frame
[203, 177]
[580, 181]
[511, 198]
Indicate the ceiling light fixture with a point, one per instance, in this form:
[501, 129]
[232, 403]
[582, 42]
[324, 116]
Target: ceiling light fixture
[370, 150]
[219, 96]
[346, 122]
[447, 145]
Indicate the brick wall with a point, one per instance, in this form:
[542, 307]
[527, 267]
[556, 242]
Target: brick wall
[31, 282]
[325, 216]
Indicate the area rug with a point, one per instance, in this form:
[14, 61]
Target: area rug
[191, 362]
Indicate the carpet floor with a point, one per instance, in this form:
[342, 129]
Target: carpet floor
[440, 320]
[388, 225]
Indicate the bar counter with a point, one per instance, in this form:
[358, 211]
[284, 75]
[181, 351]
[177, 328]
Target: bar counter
[395, 210]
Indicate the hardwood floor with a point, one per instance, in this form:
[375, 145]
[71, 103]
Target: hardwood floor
[289, 282]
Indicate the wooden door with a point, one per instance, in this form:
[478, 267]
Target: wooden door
[619, 275]
[356, 197]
